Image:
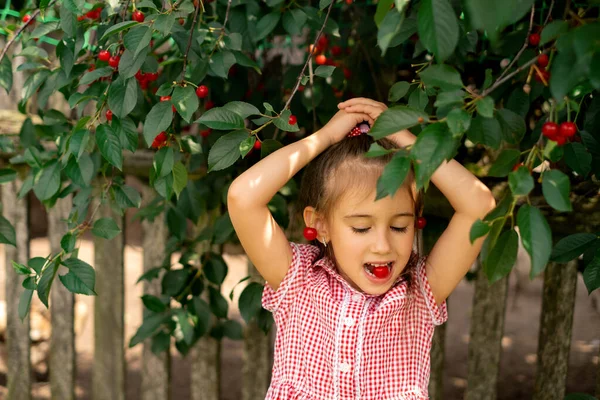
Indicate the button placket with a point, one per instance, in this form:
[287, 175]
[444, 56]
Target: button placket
[347, 345]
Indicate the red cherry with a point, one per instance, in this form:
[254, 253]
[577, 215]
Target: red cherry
[202, 91]
[165, 98]
[93, 14]
[301, 88]
[152, 76]
[517, 166]
[292, 120]
[543, 60]
[421, 222]
[543, 73]
[80, 18]
[567, 129]
[140, 76]
[114, 61]
[144, 86]
[91, 68]
[323, 42]
[257, 145]
[336, 51]
[321, 59]
[104, 55]
[174, 109]
[560, 140]
[26, 18]
[181, 21]
[208, 105]
[381, 272]
[137, 16]
[310, 233]
[534, 39]
[348, 2]
[109, 115]
[550, 130]
[347, 73]
[205, 133]
[160, 140]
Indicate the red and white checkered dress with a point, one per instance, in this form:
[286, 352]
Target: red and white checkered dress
[334, 342]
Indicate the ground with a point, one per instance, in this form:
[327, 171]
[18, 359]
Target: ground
[519, 342]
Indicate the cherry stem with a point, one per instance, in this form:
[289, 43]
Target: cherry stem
[568, 109]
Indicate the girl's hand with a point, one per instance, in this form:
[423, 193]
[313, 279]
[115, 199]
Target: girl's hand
[340, 125]
[363, 105]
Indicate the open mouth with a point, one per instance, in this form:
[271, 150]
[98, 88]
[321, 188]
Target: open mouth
[379, 270]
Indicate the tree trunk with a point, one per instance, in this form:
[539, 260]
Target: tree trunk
[485, 345]
[558, 304]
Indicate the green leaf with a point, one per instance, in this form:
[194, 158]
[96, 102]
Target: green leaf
[233, 330]
[215, 269]
[153, 303]
[222, 119]
[7, 175]
[33, 83]
[293, 21]
[250, 301]
[536, 237]
[324, 71]
[502, 256]
[504, 163]
[478, 229]
[202, 311]
[109, 145]
[488, 78]
[163, 162]
[137, 39]
[282, 122]
[398, 91]
[221, 62]
[573, 246]
[485, 131]
[553, 30]
[226, 150]
[158, 119]
[130, 63]
[80, 171]
[556, 188]
[106, 228]
[223, 229]
[184, 324]
[126, 196]
[438, 28]
[67, 242]
[393, 175]
[44, 29]
[127, 132]
[377, 151]
[152, 323]
[395, 119]
[512, 125]
[174, 281]
[383, 8]
[25, 303]
[578, 158]
[241, 108]
[47, 183]
[122, 97]
[218, 304]
[389, 29]
[180, 178]
[247, 145]
[45, 282]
[185, 101]
[493, 15]
[20, 269]
[37, 264]
[6, 76]
[434, 145]
[520, 181]
[164, 23]
[443, 76]
[323, 4]
[485, 107]
[121, 26]
[418, 99]
[265, 25]
[591, 274]
[459, 121]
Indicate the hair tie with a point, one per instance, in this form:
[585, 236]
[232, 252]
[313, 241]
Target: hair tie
[360, 129]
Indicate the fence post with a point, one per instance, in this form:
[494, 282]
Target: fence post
[558, 304]
[438, 349]
[485, 345]
[17, 332]
[62, 306]
[256, 367]
[108, 381]
[156, 369]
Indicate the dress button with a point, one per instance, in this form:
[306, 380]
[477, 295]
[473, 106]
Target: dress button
[348, 321]
[344, 367]
[356, 297]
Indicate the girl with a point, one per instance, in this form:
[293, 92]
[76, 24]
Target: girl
[355, 310]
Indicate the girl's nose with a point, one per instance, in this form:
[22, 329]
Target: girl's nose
[382, 244]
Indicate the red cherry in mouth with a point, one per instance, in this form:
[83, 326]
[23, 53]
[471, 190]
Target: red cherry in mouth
[381, 272]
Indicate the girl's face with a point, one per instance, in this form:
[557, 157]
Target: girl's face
[372, 240]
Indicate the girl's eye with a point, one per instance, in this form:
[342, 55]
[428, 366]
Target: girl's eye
[395, 229]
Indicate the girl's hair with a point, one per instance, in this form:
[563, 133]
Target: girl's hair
[343, 167]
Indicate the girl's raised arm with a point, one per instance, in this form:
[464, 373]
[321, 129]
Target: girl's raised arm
[263, 240]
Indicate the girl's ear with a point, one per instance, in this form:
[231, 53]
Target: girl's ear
[313, 219]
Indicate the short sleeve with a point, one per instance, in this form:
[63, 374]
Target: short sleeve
[303, 257]
[439, 314]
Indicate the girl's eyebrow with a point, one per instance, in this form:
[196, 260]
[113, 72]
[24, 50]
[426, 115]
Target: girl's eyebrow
[404, 214]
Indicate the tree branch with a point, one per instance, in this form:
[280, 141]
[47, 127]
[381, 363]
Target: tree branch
[314, 46]
[507, 77]
[523, 47]
[189, 45]
[549, 12]
[25, 24]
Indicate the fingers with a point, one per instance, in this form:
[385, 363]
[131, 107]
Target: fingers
[361, 116]
[361, 100]
[372, 111]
